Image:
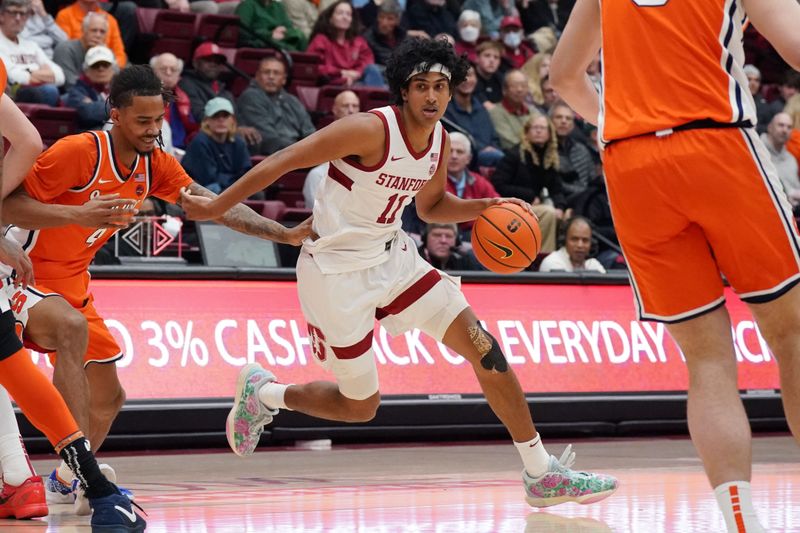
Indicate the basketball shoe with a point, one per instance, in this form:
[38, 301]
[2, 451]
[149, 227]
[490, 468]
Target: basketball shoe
[81, 506]
[114, 513]
[25, 501]
[57, 491]
[561, 484]
[248, 417]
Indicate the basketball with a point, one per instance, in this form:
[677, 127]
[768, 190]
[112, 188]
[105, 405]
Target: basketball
[506, 238]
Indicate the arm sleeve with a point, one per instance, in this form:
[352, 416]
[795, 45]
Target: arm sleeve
[168, 177]
[54, 30]
[50, 177]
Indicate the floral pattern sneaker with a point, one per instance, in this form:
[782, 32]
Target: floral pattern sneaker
[248, 417]
[561, 484]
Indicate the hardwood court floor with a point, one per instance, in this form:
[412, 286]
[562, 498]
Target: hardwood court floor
[442, 488]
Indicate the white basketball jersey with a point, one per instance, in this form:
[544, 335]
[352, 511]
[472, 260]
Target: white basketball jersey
[359, 209]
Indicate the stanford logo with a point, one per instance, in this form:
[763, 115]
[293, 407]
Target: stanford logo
[139, 190]
[432, 170]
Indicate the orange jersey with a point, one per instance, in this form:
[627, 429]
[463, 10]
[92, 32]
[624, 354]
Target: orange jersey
[3, 77]
[76, 169]
[671, 62]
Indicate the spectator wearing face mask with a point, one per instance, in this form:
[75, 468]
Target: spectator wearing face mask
[469, 29]
[491, 13]
[516, 50]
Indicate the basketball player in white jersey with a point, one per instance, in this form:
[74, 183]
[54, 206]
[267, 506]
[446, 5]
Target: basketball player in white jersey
[361, 265]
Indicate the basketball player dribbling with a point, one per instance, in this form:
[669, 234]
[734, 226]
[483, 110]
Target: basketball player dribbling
[51, 204]
[361, 265]
[36, 396]
[693, 194]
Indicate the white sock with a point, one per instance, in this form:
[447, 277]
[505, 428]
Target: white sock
[534, 456]
[736, 503]
[271, 394]
[13, 457]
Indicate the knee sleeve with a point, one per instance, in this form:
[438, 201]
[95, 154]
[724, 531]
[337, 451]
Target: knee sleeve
[9, 341]
[493, 358]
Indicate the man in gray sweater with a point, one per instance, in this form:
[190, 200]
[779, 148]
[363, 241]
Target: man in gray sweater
[277, 115]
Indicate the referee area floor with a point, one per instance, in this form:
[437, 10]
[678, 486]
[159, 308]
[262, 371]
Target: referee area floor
[438, 488]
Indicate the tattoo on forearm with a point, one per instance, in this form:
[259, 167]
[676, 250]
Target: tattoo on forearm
[243, 219]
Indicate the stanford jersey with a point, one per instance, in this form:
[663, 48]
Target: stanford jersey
[360, 208]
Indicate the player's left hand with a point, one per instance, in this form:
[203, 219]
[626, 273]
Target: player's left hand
[522, 203]
[198, 207]
[12, 254]
[296, 235]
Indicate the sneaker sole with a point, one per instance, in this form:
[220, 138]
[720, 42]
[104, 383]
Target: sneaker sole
[36, 510]
[231, 420]
[583, 500]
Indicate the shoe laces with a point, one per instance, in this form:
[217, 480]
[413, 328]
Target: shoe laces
[567, 458]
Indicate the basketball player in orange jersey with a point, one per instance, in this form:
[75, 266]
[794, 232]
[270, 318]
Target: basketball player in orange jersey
[51, 206]
[694, 195]
[35, 395]
[361, 265]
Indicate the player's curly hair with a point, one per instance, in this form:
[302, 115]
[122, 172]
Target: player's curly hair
[426, 52]
[135, 80]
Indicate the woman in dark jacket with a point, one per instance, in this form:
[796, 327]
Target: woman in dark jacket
[531, 169]
[532, 165]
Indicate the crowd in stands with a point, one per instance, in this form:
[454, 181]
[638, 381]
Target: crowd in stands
[293, 66]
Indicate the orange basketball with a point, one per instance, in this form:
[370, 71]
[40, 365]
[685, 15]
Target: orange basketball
[506, 238]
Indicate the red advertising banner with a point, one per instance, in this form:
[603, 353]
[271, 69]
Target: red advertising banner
[188, 339]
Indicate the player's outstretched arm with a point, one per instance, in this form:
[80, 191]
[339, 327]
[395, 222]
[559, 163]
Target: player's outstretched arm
[244, 220]
[105, 211]
[778, 20]
[578, 45]
[357, 135]
[26, 145]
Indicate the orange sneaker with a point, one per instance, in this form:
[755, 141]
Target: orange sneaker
[25, 501]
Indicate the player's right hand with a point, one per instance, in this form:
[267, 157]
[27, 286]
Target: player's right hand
[12, 254]
[106, 211]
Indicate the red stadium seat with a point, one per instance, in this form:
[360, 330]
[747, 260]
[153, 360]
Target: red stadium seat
[164, 30]
[220, 29]
[327, 94]
[372, 97]
[305, 68]
[52, 123]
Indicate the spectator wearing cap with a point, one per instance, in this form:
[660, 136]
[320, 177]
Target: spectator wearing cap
[491, 13]
[278, 116]
[202, 84]
[346, 56]
[42, 29]
[69, 55]
[430, 17]
[469, 31]
[516, 49]
[489, 88]
[217, 156]
[346, 103]
[70, 19]
[32, 76]
[465, 113]
[179, 116]
[384, 36]
[88, 95]
[265, 23]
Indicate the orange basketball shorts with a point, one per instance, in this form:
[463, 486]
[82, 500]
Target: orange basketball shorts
[696, 205]
[102, 348]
